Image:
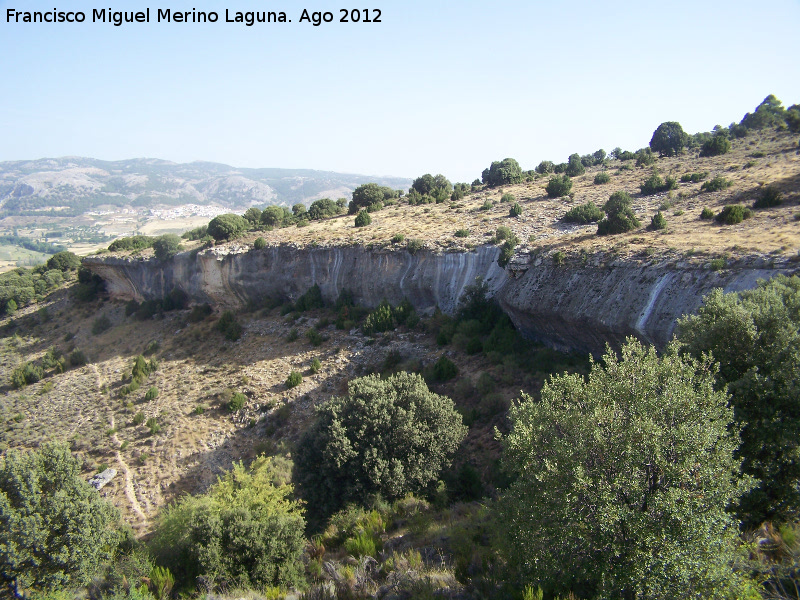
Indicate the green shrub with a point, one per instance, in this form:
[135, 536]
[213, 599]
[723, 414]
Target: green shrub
[77, 358]
[575, 166]
[363, 219]
[693, 177]
[602, 177]
[506, 171]
[294, 379]
[669, 139]
[715, 185]
[645, 158]
[654, 184]
[545, 167]
[136, 242]
[754, 336]
[138, 418]
[413, 246]
[166, 246]
[487, 205]
[717, 145]
[707, 214]
[314, 337]
[571, 498]
[362, 544]
[462, 233]
[293, 335]
[733, 214]
[260, 243]
[619, 215]
[585, 213]
[657, 222]
[337, 463]
[558, 186]
[237, 402]
[245, 532]
[229, 326]
[315, 366]
[64, 261]
[26, 374]
[101, 324]
[515, 210]
[398, 238]
[311, 300]
[379, 320]
[153, 426]
[717, 264]
[227, 227]
[56, 529]
[507, 197]
[770, 196]
[151, 394]
[444, 369]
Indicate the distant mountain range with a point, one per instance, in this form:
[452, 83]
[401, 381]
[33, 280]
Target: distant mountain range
[71, 186]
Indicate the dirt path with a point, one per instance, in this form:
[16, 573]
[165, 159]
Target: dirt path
[130, 493]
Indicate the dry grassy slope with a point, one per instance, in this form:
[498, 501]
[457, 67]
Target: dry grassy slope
[197, 366]
[771, 231]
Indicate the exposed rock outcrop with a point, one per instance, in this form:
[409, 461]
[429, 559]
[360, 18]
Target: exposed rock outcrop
[579, 306]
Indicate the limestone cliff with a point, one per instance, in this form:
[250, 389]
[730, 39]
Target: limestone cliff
[579, 306]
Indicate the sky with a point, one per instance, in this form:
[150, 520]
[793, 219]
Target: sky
[436, 86]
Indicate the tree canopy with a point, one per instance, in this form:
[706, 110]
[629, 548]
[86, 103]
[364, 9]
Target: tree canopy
[669, 139]
[502, 172]
[755, 336]
[55, 530]
[387, 436]
[166, 246]
[227, 227]
[623, 480]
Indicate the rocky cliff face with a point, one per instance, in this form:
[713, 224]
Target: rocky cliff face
[578, 307]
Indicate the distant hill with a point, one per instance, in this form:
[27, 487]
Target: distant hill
[75, 185]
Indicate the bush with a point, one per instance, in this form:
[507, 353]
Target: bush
[715, 185]
[462, 233]
[56, 529]
[575, 166]
[294, 379]
[707, 214]
[237, 402]
[507, 197]
[228, 326]
[444, 369]
[654, 184]
[558, 186]
[101, 324]
[323, 208]
[657, 222]
[754, 336]
[413, 246]
[151, 394]
[245, 532]
[343, 456]
[504, 172]
[227, 227]
[601, 178]
[619, 215]
[398, 238]
[136, 242]
[138, 418]
[26, 374]
[379, 320]
[515, 210]
[77, 358]
[545, 167]
[371, 193]
[166, 246]
[717, 145]
[585, 213]
[733, 214]
[770, 196]
[64, 261]
[694, 177]
[624, 524]
[669, 139]
[260, 243]
[363, 219]
[645, 158]
[315, 366]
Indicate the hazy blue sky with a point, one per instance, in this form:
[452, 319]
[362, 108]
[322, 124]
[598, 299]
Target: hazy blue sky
[438, 86]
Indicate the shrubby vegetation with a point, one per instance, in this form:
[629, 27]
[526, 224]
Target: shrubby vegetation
[166, 246]
[506, 171]
[733, 214]
[129, 244]
[718, 144]
[246, 531]
[715, 185]
[657, 222]
[363, 219]
[227, 227]
[649, 521]
[770, 196]
[387, 436]
[754, 336]
[669, 139]
[583, 214]
[619, 215]
[654, 184]
[575, 166]
[55, 530]
[601, 178]
[558, 186]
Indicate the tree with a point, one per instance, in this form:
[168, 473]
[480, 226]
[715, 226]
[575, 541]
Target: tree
[246, 531]
[252, 215]
[166, 246]
[55, 530]
[623, 480]
[322, 209]
[669, 139]
[575, 166]
[545, 167]
[619, 215]
[558, 186]
[754, 336]
[227, 227]
[363, 219]
[299, 210]
[388, 436]
[367, 194]
[272, 216]
[793, 118]
[64, 261]
[502, 172]
[717, 145]
[770, 113]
